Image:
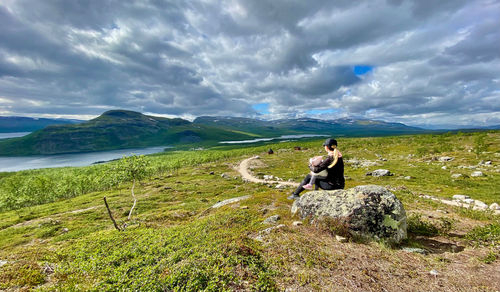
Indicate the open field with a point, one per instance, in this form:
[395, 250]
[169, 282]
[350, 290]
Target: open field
[55, 233]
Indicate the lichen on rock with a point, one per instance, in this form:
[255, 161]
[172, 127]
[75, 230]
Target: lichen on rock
[369, 210]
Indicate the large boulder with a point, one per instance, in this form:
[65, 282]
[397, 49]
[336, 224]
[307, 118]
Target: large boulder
[369, 211]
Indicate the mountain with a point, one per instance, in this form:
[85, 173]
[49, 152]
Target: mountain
[338, 127]
[23, 124]
[115, 129]
[118, 129]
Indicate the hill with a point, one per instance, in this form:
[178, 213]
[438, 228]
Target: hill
[119, 129]
[56, 234]
[115, 130]
[338, 127]
[24, 124]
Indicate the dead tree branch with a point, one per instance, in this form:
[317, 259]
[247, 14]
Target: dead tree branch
[135, 201]
[111, 215]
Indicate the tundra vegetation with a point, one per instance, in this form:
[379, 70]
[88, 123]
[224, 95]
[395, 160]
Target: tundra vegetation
[55, 233]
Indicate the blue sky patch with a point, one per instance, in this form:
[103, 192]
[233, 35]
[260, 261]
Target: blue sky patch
[362, 69]
[261, 108]
[319, 112]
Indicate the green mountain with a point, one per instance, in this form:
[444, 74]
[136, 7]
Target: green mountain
[115, 129]
[339, 127]
[24, 124]
[120, 129]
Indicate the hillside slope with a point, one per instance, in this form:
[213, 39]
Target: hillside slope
[24, 124]
[114, 130]
[176, 241]
[338, 127]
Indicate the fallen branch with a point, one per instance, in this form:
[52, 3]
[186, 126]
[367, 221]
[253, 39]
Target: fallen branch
[135, 200]
[111, 215]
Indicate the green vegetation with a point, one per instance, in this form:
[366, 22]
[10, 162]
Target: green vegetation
[55, 233]
[119, 129]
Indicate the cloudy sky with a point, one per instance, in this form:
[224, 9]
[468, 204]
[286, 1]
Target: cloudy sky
[421, 62]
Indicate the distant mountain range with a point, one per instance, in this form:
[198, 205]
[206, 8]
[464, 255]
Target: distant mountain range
[127, 129]
[23, 124]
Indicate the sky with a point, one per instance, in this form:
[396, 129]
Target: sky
[424, 63]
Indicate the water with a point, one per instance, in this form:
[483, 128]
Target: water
[74, 159]
[275, 138]
[13, 135]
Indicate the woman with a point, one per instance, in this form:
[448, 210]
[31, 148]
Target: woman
[333, 164]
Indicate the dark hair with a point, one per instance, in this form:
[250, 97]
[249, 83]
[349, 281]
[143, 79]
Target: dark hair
[330, 142]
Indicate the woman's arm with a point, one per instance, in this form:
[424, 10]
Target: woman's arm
[322, 166]
[335, 158]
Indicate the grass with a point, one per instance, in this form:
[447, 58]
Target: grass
[176, 242]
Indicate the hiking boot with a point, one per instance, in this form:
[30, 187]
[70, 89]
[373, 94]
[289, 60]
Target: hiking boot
[293, 197]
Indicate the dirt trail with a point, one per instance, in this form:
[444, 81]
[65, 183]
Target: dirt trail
[243, 170]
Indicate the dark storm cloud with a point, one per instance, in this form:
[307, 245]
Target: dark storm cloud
[433, 60]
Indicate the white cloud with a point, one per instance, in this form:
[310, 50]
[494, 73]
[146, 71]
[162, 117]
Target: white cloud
[435, 62]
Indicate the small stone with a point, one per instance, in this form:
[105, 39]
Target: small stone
[469, 201]
[457, 175]
[297, 223]
[379, 172]
[280, 186]
[272, 220]
[212, 173]
[408, 177]
[442, 211]
[243, 207]
[256, 157]
[478, 205]
[444, 167]
[445, 158]
[224, 175]
[487, 162]
[434, 272]
[65, 230]
[460, 197]
[477, 174]
[415, 250]
[3, 263]
[494, 206]
[340, 238]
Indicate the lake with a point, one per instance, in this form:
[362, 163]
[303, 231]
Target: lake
[74, 159]
[284, 137]
[13, 135]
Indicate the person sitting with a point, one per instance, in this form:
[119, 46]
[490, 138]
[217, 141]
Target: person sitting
[333, 164]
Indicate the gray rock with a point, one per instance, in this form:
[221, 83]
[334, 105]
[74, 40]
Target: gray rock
[65, 230]
[477, 174]
[369, 210]
[494, 206]
[224, 175]
[434, 273]
[230, 201]
[280, 186]
[478, 205]
[445, 158]
[469, 201]
[340, 238]
[460, 197]
[415, 250]
[444, 167]
[408, 177]
[268, 177]
[3, 263]
[456, 175]
[272, 220]
[260, 236]
[297, 223]
[379, 172]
